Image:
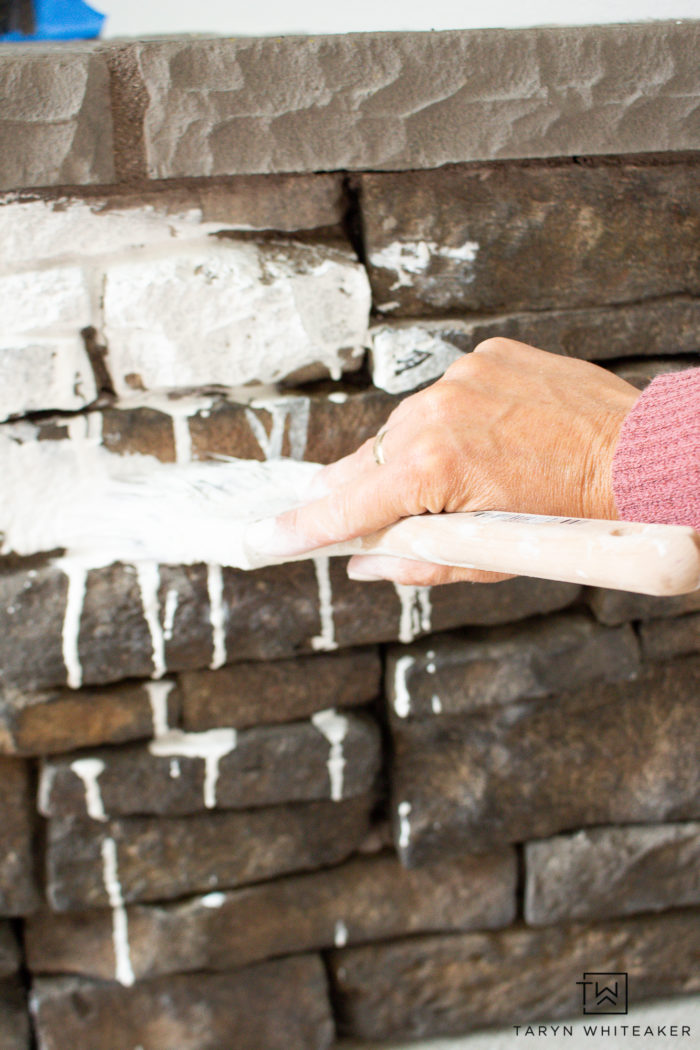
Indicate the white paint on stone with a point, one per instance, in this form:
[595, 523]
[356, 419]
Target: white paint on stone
[148, 576]
[86, 426]
[340, 934]
[175, 771]
[211, 746]
[219, 314]
[404, 811]
[403, 358]
[409, 258]
[171, 601]
[89, 771]
[52, 302]
[123, 970]
[436, 704]
[338, 397]
[326, 639]
[213, 900]
[217, 614]
[334, 727]
[158, 694]
[416, 611]
[288, 414]
[76, 571]
[43, 372]
[46, 780]
[402, 696]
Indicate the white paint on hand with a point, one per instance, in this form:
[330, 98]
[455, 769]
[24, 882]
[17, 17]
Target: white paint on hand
[215, 589]
[158, 693]
[76, 571]
[404, 811]
[211, 746]
[89, 770]
[124, 972]
[148, 575]
[334, 727]
[340, 934]
[402, 697]
[326, 639]
[416, 611]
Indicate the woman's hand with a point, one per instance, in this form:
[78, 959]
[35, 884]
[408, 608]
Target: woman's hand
[507, 427]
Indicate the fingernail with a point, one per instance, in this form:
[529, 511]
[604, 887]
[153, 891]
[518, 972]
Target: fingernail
[269, 538]
[372, 567]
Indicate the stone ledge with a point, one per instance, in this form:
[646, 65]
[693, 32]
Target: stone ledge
[187, 106]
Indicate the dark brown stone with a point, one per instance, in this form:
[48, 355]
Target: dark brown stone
[18, 889]
[166, 857]
[65, 719]
[616, 607]
[256, 767]
[366, 899]
[603, 872]
[537, 236]
[664, 639]
[606, 754]
[14, 1017]
[280, 1005]
[429, 986]
[466, 670]
[250, 694]
[9, 951]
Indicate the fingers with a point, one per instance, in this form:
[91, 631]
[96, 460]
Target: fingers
[415, 573]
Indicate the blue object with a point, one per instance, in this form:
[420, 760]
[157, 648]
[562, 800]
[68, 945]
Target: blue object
[61, 20]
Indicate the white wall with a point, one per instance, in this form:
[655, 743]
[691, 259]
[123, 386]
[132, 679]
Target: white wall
[138, 17]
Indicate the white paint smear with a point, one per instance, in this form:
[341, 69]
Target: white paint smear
[416, 611]
[211, 746]
[408, 258]
[158, 693]
[402, 697]
[171, 601]
[326, 639]
[148, 575]
[288, 414]
[213, 900]
[340, 934]
[76, 571]
[334, 727]
[217, 614]
[404, 824]
[124, 972]
[89, 770]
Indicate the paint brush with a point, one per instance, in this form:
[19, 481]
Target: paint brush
[100, 508]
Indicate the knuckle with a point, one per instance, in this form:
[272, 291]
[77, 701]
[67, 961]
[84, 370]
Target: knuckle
[495, 346]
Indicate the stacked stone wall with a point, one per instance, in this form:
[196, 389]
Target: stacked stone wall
[282, 803]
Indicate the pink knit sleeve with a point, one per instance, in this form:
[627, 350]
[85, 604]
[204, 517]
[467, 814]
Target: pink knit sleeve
[656, 467]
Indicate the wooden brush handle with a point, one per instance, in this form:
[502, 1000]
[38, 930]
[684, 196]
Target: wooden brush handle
[647, 559]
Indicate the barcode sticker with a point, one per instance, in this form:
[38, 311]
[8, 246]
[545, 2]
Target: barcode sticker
[534, 519]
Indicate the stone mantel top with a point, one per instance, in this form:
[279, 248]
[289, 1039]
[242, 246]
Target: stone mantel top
[173, 107]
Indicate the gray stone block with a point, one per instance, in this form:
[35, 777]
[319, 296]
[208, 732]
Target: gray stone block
[413, 100]
[14, 1017]
[665, 639]
[55, 117]
[621, 753]
[9, 951]
[604, 872]
[615, 607]
[278, 1005]
[18, 887]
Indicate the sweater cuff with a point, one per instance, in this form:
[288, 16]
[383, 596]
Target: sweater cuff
[656, 466]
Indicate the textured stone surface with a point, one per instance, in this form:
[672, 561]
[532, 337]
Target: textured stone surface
[366, 899]
[616, 607]
[604, 872]
[406, 355]
[449, 985]
[279, 1005]
[471, 669]
[250, 694]
[218, 314]
[536, 236]
[40, 374]
[641, 372]
[14, 1017]
[664, 639]
[605, 754]
[159, 858]
[9, 951]
[404, 100]
[55, 120]
[269, 614]
[65, 719]
[255, 767]
[18, 892]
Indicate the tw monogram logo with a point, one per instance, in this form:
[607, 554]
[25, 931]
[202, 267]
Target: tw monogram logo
[604, 993]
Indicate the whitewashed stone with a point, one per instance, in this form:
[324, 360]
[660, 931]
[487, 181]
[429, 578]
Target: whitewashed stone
[37, 300]
[38, 373]
[234, 313]
[404, 358]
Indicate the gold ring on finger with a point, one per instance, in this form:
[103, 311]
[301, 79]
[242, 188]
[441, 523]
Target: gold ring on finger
[377, 450]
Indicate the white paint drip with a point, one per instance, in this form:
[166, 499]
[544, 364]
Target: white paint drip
[171, 600]
[416, 611]
[211, 746]
[148, 575]
[182, 438]
[290, 414]
[402, 697]
[404, 824]
[326, 639]
[124, 972]
[87, 426]
[213, 900]
[175, 771]
[46, 779]
[414, 257]
[334, 727]
[338, 397]
[76, 571]
[158, 693]
[340, 935]
[215, 589]
[89, 770]
[436, 704]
